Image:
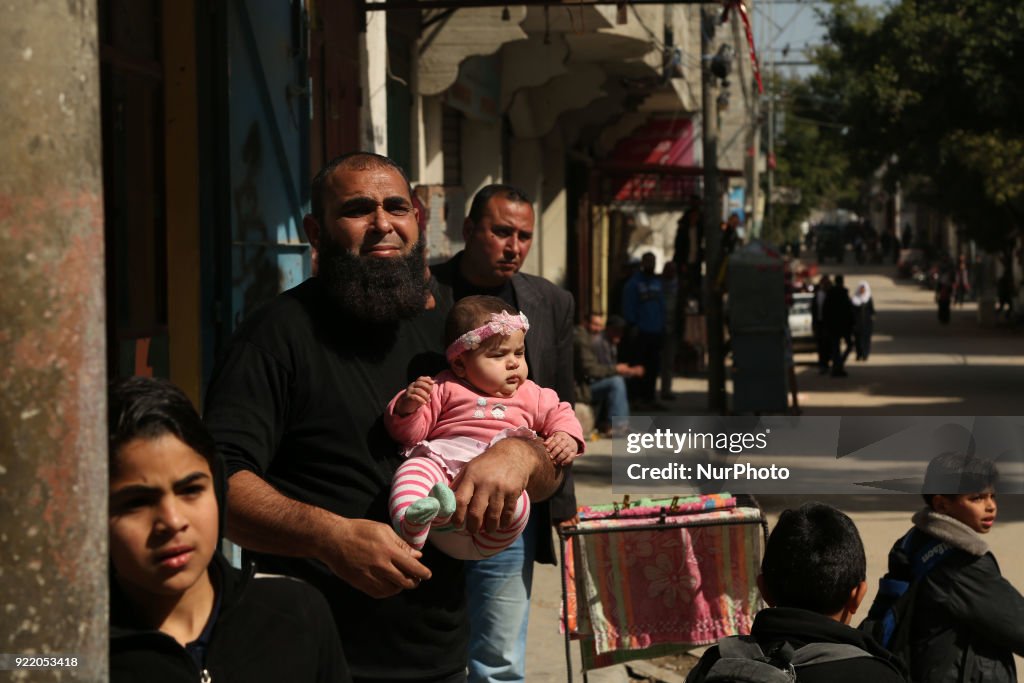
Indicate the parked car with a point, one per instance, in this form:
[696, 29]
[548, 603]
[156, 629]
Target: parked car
[830, 242]
[800, 319]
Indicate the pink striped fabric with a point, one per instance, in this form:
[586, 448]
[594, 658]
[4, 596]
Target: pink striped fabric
[412, 482]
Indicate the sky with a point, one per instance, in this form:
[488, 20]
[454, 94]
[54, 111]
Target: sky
[793, 23]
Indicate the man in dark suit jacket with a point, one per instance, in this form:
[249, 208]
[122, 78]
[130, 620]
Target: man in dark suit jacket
[498, 233]
[837, 314]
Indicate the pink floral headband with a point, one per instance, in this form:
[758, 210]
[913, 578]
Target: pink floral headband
[503, 323]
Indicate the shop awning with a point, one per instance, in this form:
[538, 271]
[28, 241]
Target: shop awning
[654, 164]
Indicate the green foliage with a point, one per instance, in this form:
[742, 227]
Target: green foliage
[811, 157]
[935, 89]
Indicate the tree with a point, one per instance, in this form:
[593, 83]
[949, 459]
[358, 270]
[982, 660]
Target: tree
[811, 158]
[933, 90]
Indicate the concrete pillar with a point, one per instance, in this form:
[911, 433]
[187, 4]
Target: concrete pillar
[526, 170]
[552, 242]
[53, 450]
[373, 115]
[481, 156]
[429, 157]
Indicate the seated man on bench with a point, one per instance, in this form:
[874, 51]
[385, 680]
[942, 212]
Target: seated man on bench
[600, 378]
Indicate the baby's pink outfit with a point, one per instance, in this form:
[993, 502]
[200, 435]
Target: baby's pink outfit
[453, 427]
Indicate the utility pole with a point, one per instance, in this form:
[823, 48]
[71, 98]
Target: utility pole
[753, 136]
[769, 214]
[754, 167]
[712, 218]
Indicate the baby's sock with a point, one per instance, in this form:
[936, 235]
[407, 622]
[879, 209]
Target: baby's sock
[446, 503]
[411, 505]
[416, 521]
[435, 509]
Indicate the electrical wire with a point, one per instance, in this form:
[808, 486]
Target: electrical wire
[694, 60]
[657, 43]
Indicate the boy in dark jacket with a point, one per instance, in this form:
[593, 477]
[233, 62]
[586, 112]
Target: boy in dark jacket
[968, 620]
[813, 579]
[178, 610]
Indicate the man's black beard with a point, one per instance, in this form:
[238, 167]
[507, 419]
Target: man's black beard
[378, 290]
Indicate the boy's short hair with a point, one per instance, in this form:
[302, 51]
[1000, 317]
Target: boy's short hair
[814, 559]
[148, 408]
[950, 474]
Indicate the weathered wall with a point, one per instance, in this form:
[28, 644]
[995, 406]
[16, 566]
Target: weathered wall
[53, 473]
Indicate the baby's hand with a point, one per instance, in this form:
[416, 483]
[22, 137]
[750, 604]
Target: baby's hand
[561, 447]
[416, 394]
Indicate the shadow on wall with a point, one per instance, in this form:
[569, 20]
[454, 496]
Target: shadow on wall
[253, 267]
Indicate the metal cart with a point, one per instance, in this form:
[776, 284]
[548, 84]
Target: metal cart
[625, 518]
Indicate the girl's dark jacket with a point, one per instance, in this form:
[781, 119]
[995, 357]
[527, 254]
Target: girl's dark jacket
[268, 629]
[968, 620]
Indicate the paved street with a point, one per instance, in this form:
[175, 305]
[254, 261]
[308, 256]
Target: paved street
[917, 367]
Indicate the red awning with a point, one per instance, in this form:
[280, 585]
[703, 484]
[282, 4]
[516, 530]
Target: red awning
[659, 142]
[654, 163]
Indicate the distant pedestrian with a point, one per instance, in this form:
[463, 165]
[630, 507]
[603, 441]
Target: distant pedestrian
[730, 233]
[885, 242]
[689, 250]
[863, 319]
[643, 307]
[838, 317]
[944, 293]
[818, 324]
[1005, 291]
[794, 390]
[961, 281]
[673, 319]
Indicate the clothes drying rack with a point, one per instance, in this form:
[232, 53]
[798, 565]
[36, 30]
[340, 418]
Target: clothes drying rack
[662, 518]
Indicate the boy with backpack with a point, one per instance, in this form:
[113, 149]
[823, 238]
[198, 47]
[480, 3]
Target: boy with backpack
[813, 579]
[943, 607]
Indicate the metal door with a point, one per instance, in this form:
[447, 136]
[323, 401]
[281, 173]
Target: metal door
[268, 146]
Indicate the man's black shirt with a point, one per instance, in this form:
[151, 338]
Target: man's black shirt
[299, 400]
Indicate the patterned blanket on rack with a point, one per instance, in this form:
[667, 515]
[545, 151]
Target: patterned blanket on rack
[653, 507]
[650, 586]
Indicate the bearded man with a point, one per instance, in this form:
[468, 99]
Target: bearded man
[296, 406]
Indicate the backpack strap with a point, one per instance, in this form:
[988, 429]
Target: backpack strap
[927, 556]
[741, 647]
[889, 587]
[822, 653]
[741, 660]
